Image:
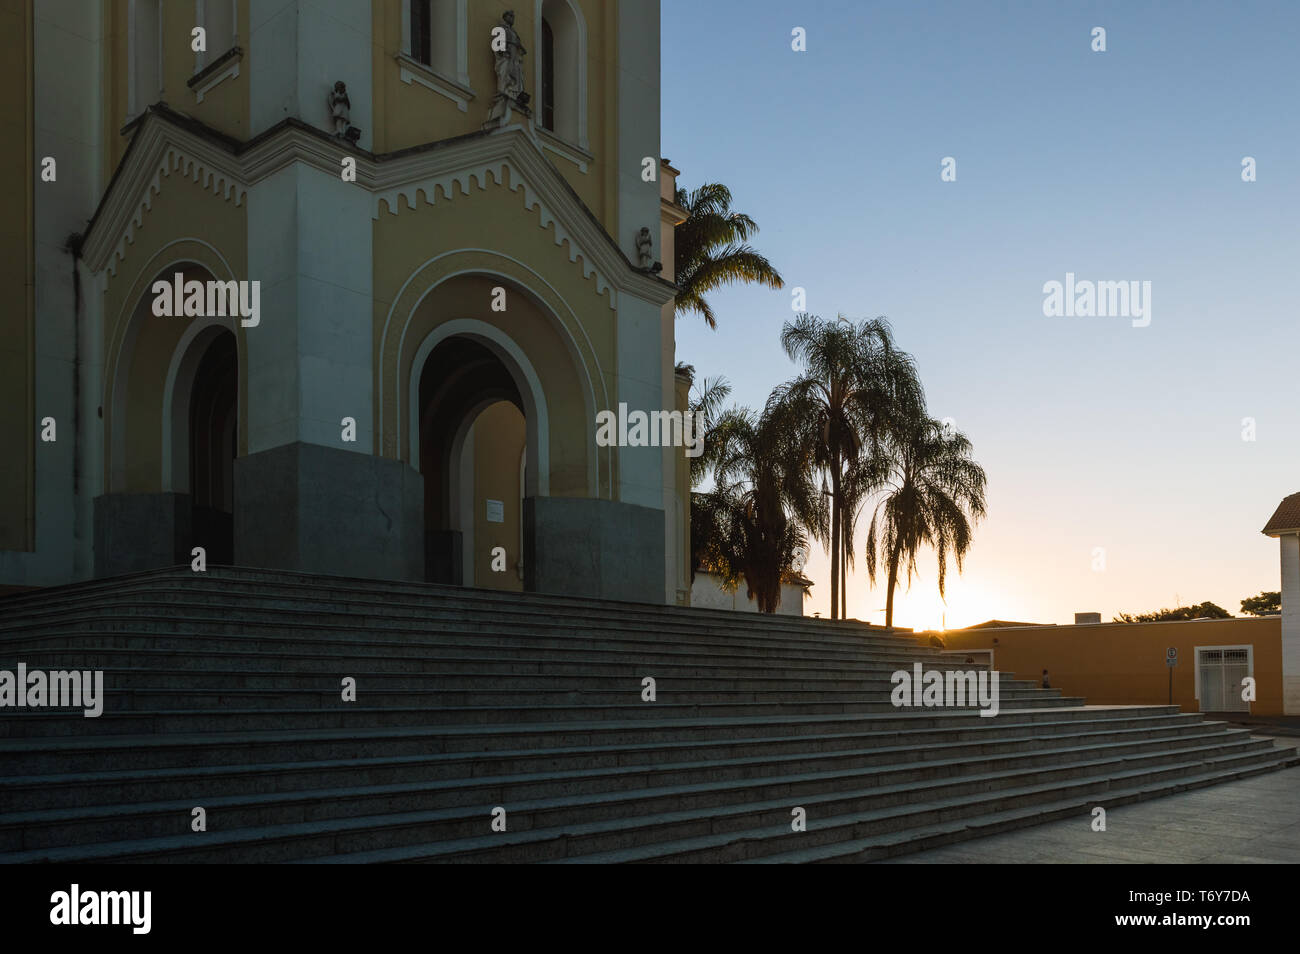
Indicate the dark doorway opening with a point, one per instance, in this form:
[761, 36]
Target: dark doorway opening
[458, 380]
[214, 442]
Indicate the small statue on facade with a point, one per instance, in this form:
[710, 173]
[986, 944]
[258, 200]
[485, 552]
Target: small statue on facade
[645, 249]
[340, 109]
[510, 62]
[509, 66]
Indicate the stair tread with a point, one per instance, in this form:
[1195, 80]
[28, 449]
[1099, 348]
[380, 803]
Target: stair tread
[288, 830]
[652, 850]
[236, 670]
[310, 795]
[976, 823]
[506, 755]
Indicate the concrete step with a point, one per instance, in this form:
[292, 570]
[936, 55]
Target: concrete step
[51, 754]
[178, 696]
[918, 826]
[438, 601]
[232, 584]
[333, 660]
[232, 632]
[71, 789]
[436, 619]
[750, 831]
[909, 841]
[230, 674]
[647, 816]
[223, 691]
[188, 651]
[35, 723]
[655, 789]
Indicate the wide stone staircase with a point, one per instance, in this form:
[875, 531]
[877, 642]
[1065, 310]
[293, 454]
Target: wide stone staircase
[224, 690]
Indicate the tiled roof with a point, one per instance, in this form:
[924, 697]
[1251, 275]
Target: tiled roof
[1285, 517]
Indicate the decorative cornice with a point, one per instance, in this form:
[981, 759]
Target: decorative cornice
[672, 212]
[152, 157]
[489, 168]
[165, 141]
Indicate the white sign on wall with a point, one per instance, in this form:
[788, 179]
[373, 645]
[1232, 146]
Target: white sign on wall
[496, 511]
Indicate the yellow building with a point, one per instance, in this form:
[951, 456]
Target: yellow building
[441, 278]
[1249, 665]
[1128, 663]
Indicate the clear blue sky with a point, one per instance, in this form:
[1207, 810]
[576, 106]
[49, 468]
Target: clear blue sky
[1123, 165]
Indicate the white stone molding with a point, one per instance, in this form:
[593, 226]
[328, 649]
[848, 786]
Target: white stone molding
[162, 148]
[526, 380]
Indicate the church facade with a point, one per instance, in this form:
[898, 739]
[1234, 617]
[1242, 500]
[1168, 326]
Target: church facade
[340, 287]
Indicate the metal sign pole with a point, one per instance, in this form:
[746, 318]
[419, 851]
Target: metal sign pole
[1171, 660]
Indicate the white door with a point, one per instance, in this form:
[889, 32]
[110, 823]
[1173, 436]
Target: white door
[1221, 672]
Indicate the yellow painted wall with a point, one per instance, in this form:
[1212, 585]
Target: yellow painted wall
[408, 114]
[147, 364]
[1124, 663]
[159, 242]
[498, 443]
[115, 72]
[17, 277]
[224, 108]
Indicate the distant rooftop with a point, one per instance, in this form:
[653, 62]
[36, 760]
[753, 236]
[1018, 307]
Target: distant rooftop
[1286, 518]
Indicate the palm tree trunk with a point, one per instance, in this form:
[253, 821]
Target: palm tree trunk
[844, 576]
[893, 582]
[835, 538]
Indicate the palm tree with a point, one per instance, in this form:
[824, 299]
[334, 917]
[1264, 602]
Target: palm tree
[763, 502]
[854, 386]
[706, 407]
[710, 250]
[935, 491]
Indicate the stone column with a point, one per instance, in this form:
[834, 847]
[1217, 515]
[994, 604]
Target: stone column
[306, 496]
[1290, 546]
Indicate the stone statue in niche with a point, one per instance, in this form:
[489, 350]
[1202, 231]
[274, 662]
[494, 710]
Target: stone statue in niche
[645, 249]
[509, 52]
[341, 112]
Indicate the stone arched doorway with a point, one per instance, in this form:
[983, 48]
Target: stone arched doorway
[473, 432]
[173, 401]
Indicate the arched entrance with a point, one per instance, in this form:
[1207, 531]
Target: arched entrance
[473, 434]
[213, 445]
[171, 411]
